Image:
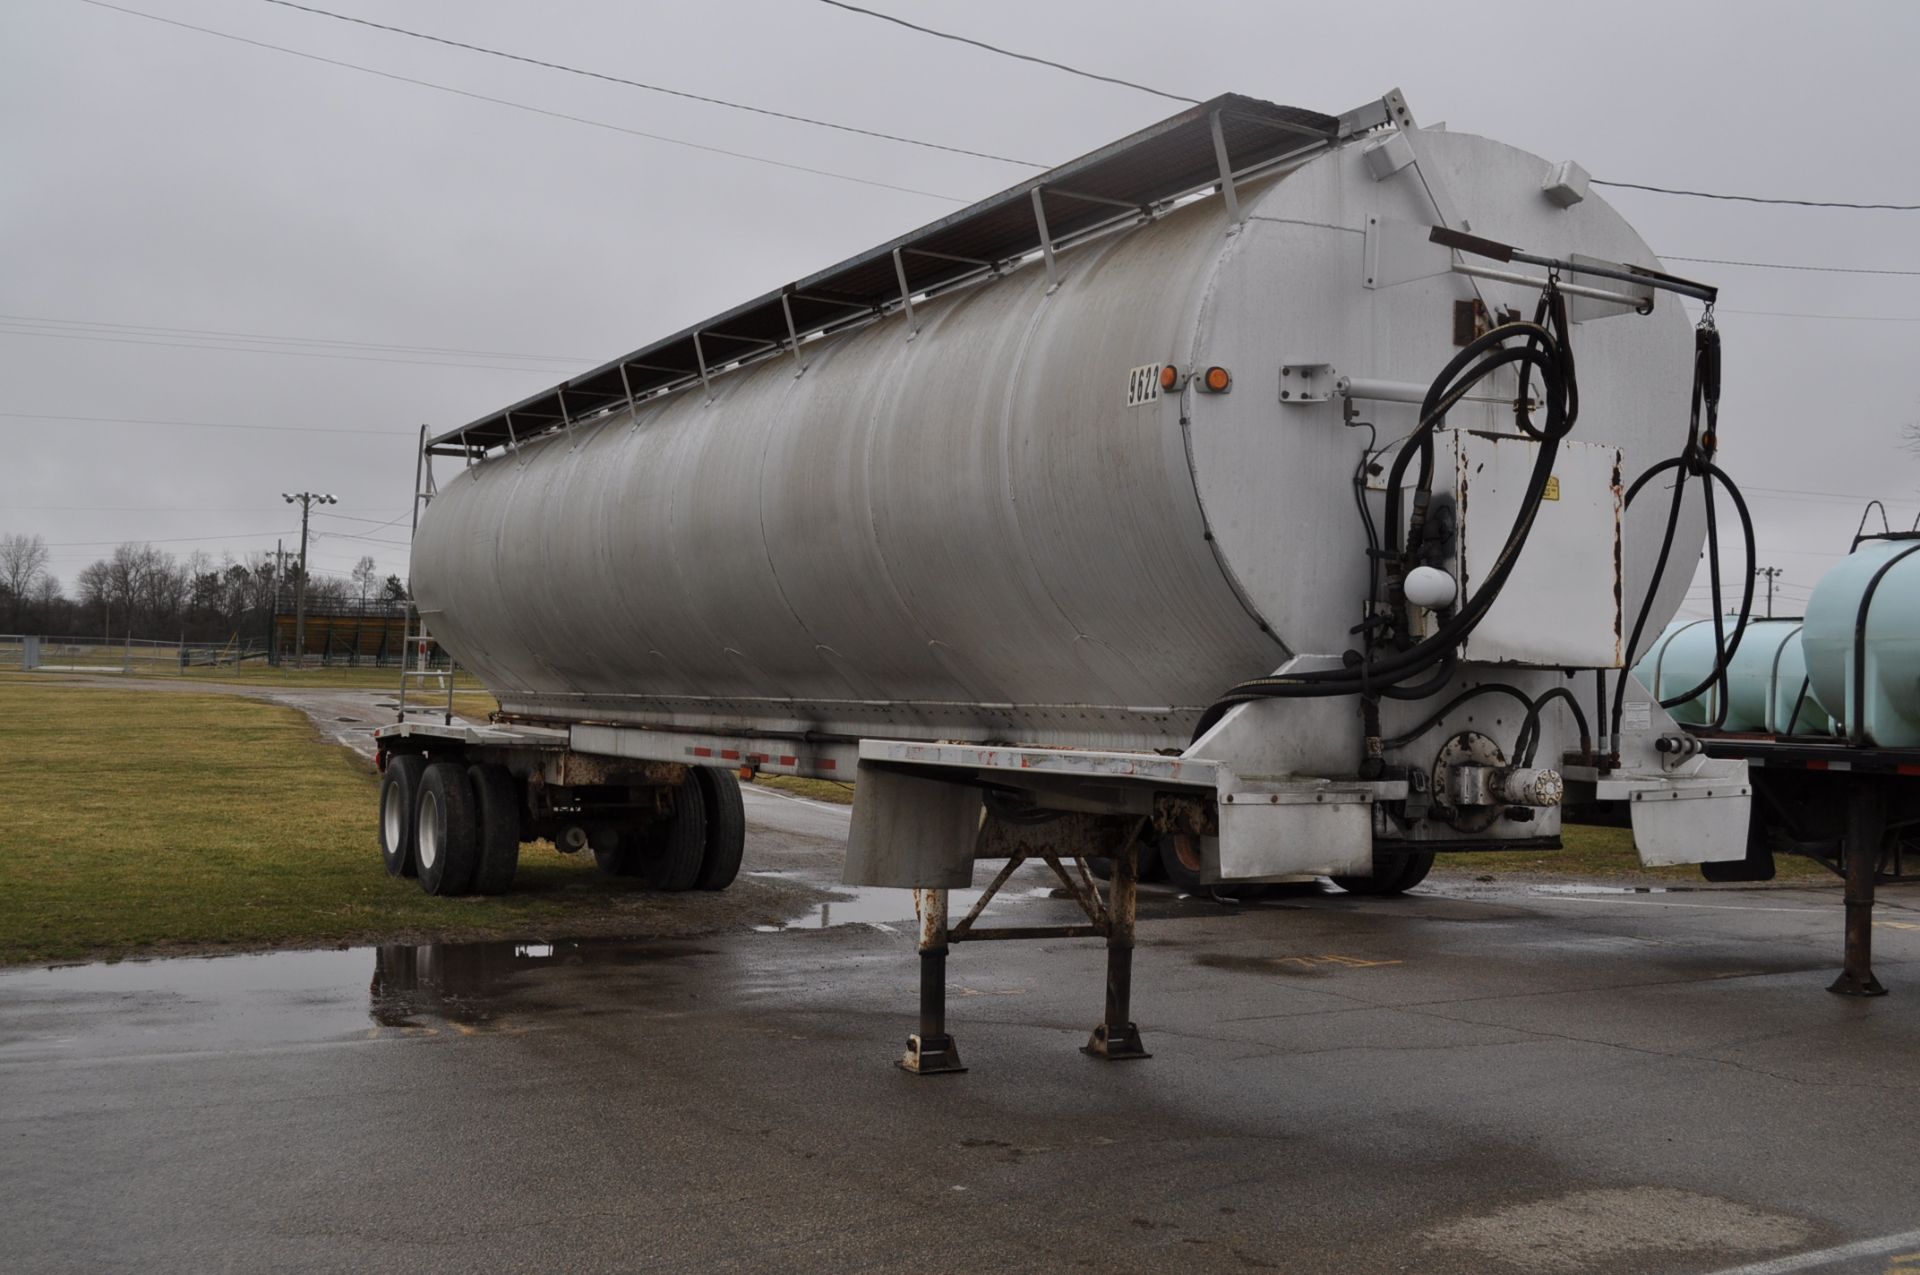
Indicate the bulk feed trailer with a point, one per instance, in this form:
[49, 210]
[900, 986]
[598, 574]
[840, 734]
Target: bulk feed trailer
[1252, 492]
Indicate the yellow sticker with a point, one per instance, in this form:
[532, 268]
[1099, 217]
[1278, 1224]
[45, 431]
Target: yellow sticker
[1553, 488]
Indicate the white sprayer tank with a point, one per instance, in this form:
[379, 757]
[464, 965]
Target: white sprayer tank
[973, 534]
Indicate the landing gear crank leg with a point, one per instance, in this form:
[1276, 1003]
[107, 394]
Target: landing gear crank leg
[1866, 826]
[931, 1050]
[1116, 1038]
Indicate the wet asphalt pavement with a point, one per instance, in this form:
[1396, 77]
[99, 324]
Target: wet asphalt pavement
[1474, 1078]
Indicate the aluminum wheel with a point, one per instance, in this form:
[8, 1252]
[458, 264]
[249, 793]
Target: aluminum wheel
[393, 818]
[427, 831]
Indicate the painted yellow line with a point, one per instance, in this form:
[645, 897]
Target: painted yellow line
[1828, 1256]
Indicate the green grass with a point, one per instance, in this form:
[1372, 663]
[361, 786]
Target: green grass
[833, 790]
[133, 821]
[342, 676]
[1601, 852]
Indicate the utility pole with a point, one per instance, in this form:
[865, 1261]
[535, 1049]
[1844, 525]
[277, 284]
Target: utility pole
[306, 500]
[1772, 574]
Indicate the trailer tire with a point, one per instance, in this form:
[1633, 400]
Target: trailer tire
[624, 857]
[1401, 873]
[671, 861]
[726, 820]
[446, 830]
[399, 785]
[1180, 861]
[496, 799]
[1147, 861]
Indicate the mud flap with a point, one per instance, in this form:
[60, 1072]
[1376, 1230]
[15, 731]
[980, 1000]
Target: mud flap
[1312, 828]
[1699, 821]
[911, 832]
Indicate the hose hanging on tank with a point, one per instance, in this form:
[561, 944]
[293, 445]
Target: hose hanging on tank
[1695, 459]
[1538, 346]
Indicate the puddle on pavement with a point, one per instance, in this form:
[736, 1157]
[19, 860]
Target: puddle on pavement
[466, 984]
[191, 1005]
[890, 910]
[1603, 889]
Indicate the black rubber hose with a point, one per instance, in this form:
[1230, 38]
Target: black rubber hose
[1529, 743]
[1726, 650]
[1554, 364]
[1471, 693]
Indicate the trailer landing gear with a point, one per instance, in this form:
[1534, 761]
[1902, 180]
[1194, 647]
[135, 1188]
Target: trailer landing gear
[931, 1051]
[1860, 855]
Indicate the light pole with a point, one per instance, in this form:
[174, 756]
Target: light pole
[306, 500]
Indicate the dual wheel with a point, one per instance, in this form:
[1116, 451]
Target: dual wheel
[699, 848]
[454, 826]
[457, 828]
[1392, 874]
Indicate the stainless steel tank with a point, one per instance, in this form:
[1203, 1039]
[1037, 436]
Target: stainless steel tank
[969, 532]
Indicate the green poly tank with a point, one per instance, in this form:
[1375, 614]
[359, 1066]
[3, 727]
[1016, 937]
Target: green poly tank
[1862, 642]
[1766, 680]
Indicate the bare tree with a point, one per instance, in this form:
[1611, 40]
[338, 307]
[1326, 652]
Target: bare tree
[364, 575]
[23, 560]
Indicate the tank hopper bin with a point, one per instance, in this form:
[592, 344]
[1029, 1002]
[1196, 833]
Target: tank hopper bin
[989, 517]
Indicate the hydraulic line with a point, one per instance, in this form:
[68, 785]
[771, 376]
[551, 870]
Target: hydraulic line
[1695, 459]
[1545, 350]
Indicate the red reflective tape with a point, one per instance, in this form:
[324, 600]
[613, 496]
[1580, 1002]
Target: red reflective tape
[789, 761]
[827, 763]
[703, 752]
[730, 754]
[756, 757]
[1816, 765]
[1906, 770]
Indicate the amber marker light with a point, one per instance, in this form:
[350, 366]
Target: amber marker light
[1169, 377]
[1217, 380]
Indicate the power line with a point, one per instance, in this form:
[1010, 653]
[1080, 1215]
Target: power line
[522, 106]
[140, 329]
[62, 334]
[1743, 199]
[275, 429]
[139, 509]
[377, 524]
[991, 48]
[165, 540]
[351, 535]
[1776, 265]
[651, 88]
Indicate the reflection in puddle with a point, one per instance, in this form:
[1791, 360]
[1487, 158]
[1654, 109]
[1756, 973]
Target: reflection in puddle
[469, 984]
[890, 910]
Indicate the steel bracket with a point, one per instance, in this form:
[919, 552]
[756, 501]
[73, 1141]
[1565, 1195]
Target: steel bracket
[931, 1056]
[1308, 383]
[1115, 1044]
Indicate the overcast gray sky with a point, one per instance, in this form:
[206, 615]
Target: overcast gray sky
[438, 256]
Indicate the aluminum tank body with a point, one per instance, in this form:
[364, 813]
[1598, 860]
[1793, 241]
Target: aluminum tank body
[970, 533]
[1876, 699]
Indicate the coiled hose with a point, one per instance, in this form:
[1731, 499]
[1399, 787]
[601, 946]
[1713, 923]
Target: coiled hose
[1540, 346]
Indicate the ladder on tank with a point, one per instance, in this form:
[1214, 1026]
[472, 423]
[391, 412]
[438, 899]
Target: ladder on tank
[416, 668]
[416, 653]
